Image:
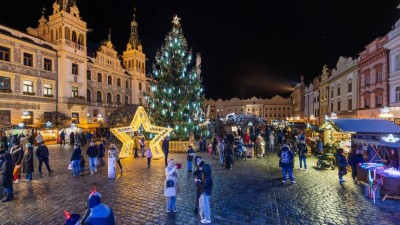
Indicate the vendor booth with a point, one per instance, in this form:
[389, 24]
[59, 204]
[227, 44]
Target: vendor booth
[378, 140]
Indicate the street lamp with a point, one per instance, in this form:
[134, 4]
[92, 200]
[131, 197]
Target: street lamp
[25, 117]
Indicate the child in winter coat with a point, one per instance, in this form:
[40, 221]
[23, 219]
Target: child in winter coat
[342, 163]
[149, 155]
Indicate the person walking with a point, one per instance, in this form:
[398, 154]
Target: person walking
[39, 138]
[100, 156]
[92, 153]
[190, 156]
[197, 180]
[42, 153]
[72, 138]
[342, 163]
[17, 155]
[142, 143]
[4, 141]
[221, 148]
[207, 184]
[136, 144]
[170, 186]
[165, 149]
[114, 152]
[354, 159]
[302, 151]
[271, 141]
[214, 146]
[75, 160]
[149, 155]
[7, 177]
[228, 155]
[28, 162]
[62, 137]
[286, 163]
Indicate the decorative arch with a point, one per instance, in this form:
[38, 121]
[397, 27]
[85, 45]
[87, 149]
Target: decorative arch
[81, 40]
[67, 34]
[74, 37]
[109, 97]
[99, 96]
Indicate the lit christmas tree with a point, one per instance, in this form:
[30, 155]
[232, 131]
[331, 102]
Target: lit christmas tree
[177, 96]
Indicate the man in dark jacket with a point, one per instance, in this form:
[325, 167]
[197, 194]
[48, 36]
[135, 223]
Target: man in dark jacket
[342, 164]
[207, 184]
[17, 155]
[302, 151]
[286, 163]
[42, 152]
[354, 159]
[7, 170]
[197, 179]
[75, 160]
[62, 137]
[92, 152]
[228, 155]
[100, 156]
[165, 149]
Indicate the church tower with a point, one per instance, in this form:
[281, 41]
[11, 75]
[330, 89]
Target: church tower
[67, 31]
[134, 62]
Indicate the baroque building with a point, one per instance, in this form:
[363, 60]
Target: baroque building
[324, 93]
[276, 108]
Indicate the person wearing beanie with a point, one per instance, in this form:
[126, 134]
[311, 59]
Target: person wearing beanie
[72, 219]
[28, 162]
[75, 159]
[98, 213]
[286, 163]
[7, 176]
[197, 176]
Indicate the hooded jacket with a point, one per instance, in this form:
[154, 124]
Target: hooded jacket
[7, 170]
[100, 214]
[17, 154]
[207, 181]
[76, 154]
[42, 152]
[28, 161]
[286, 158]
[92, 151]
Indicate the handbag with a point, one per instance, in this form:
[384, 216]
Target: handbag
[70, 165]
[170, 183]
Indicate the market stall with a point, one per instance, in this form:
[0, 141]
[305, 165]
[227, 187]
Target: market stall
[336, 135]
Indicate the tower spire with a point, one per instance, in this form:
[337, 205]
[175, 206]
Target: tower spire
[109, 34]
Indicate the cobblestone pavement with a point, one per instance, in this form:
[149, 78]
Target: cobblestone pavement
[251, 193]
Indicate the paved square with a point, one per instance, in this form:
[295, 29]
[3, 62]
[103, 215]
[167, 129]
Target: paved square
[251, 193]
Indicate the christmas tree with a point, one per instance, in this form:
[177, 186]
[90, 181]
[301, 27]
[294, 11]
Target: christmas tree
[177, 96]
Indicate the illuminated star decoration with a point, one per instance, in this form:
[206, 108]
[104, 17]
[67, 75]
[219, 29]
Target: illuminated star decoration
[141, 119]
[48, 124]
[176, 20]
[390, 138]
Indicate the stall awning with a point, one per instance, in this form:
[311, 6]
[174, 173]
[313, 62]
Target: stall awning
[366, 125]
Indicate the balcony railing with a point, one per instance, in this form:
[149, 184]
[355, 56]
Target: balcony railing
[70, 44]
[77, 101]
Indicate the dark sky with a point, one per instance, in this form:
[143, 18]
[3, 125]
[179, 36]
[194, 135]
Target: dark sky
[249, 48]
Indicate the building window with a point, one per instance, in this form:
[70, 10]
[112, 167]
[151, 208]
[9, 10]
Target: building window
[28, 86]
[367, 80]
[332, 93]
[47, 90]
[47, 65]
[350, 103]
[119, 82]
[349, 86]
[379, 77]
[118, 99]
[331, 106]
[89, 95]
[74, 68]
[99, 96]
[109, 98]
[378, 101]
[4, 53]
[75, 117]
[338, 90]
[109, 79]
[397, 62]
[89, 74]
[28, 59]
[397, 94]
[5, 84]
[30, 119]
[140, 86]
[338, 105]
[5, 117]
[126, 84]
[126, 100]
[366, 103]
[99, 77]
[74, 91]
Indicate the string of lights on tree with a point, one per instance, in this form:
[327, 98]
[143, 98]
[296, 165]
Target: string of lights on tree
[177, 94]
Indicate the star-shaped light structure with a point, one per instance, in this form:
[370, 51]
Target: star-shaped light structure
[176, 20]
[141, 119]
[390, 138]
[49, 124]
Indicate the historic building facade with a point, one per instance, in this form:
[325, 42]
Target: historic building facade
[298, 100]
[343, 88]
[28, 77]
[373, 81]
[276, 108]
[324, 93]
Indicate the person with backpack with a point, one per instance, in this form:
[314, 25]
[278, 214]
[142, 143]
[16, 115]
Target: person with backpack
[302, 151]
[286, 163]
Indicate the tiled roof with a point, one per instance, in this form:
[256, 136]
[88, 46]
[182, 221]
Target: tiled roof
[366, 125]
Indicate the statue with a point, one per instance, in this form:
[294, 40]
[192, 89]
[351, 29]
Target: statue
[198, 64]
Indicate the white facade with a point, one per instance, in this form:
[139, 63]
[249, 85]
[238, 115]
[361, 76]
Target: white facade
[309, 102]
[393, 46]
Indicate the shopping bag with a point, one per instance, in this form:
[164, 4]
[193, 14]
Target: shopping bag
[70, 165]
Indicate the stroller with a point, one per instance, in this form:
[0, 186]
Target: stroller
[239, 151]
[326, 160]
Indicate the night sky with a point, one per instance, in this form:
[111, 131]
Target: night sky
[249, 48]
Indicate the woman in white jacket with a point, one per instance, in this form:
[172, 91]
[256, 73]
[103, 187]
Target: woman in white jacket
[170, 185]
